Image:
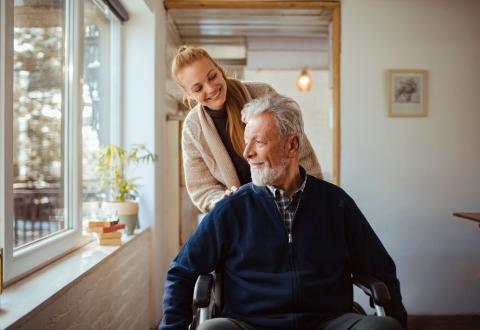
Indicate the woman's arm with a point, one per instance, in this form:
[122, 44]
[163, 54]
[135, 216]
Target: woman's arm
[257, 89]
[203, 188]
[309, 160]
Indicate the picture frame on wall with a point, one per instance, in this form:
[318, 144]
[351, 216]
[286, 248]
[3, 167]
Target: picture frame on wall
[407, 92]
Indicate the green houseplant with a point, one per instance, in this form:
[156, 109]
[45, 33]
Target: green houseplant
[113, 163]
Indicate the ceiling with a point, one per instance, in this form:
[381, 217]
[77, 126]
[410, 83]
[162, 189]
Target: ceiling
[258, 38]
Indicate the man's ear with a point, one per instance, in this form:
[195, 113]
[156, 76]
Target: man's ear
[293, 145]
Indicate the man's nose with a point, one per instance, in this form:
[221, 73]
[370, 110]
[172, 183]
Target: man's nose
[247, 153]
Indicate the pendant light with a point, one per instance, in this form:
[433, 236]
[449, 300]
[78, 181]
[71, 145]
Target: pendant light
[304, 81]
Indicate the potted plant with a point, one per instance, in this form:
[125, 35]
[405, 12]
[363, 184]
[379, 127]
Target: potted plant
[112, 168]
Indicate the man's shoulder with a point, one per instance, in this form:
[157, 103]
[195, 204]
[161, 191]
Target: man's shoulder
[319, 187]
[245, 195]
[317, 183]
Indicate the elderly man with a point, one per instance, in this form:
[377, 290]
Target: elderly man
[287, 243]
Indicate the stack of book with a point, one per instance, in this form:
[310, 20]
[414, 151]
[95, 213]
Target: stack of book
[108, 232]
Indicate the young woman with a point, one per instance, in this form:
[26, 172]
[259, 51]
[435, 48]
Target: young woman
[212, 137]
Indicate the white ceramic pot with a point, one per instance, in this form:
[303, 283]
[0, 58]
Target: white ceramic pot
[122, 208]
[127, 213]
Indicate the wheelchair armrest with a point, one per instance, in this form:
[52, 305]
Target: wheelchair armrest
[376, 289]
[202, 291]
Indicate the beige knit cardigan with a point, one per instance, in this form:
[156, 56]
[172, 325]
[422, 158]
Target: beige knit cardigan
[208, 167]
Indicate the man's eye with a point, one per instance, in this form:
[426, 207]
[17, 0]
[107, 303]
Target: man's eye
[260, 142]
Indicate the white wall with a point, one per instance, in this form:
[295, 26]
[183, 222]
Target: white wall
[315, 104]
[138, 102]
[144, 119]
[262, 59]
[287, 54]
[409, 175]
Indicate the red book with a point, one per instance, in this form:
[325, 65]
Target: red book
[112, 228]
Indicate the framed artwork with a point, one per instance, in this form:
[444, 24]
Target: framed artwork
[407, 93]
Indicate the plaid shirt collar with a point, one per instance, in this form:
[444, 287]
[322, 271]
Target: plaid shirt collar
[286, 206]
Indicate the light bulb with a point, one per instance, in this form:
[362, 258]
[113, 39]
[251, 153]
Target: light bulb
[304, 81]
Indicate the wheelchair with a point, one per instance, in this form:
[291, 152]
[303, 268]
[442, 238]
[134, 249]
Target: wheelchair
[207, 297]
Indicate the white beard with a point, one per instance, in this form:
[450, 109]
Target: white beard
[266, 175]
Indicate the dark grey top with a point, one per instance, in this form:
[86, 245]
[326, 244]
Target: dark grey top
[220, 118]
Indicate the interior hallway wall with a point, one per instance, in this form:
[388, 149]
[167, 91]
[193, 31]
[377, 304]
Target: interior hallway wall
[409, 174]
[316, 106]
[144, 119]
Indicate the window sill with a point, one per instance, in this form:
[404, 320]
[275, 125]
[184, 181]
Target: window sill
[22, 298]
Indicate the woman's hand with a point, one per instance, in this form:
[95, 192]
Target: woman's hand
[230, 191]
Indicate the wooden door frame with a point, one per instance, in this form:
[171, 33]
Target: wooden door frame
[334, 6]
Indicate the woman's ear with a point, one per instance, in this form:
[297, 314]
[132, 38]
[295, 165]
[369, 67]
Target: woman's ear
[187, 97]
[186, 94]
[178, 80]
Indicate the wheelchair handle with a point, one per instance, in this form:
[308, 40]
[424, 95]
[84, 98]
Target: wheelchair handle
[202, 291]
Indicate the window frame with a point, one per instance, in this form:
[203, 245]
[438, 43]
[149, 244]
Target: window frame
[20, 262]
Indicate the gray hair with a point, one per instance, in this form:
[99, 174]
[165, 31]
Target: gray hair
[286, 111]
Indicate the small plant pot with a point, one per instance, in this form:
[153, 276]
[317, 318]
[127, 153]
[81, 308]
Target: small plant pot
[127, 213]
[130, 221]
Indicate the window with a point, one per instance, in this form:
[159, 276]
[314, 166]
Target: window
[98, 97]
[59, 61]
[38, 121]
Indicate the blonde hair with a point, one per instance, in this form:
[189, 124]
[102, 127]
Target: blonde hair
[236, 97]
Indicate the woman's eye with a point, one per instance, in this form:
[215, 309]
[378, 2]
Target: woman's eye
[212, 76]
[196, 90]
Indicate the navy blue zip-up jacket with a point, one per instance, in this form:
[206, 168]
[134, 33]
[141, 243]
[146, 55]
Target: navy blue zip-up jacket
[270, 282]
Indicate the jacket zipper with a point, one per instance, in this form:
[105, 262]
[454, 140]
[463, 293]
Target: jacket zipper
[292, 263]
[294, 275]
[294, 270]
